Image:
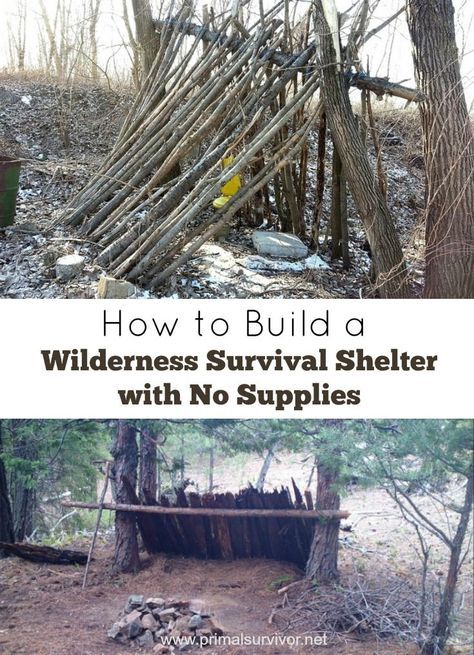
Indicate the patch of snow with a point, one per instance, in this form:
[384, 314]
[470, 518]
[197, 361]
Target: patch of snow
[258, 263]
[144, 294]
[26, 100]
[314, 261]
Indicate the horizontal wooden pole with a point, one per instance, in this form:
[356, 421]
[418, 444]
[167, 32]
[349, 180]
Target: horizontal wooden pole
[209, 511]
[379, 85]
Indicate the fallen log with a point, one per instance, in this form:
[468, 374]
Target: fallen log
[378, 85]
[45, 554]
[336, 515]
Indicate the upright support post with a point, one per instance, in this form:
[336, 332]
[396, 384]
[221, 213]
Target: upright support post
[97, 523]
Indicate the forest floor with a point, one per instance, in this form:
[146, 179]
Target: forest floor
[63, 133]
[43, 609]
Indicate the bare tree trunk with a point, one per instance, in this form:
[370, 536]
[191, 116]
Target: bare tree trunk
[24, 501]
[381, 234]
[125, 454]
[441, 631]
[448, 147]
[54, 52]
[94, 9]
[336, 196]
[17, 36]
[269, 457]
[23, 496]
[135, 57]
[322, 562]
[147, 484]
[146, 35]
[320, 180]
[346, 260]
[6, 519]
[381, 177]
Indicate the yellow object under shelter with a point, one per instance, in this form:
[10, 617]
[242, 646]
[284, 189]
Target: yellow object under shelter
[230, 188]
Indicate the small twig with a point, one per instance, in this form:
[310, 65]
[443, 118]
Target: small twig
[292, 585]
[75, 240]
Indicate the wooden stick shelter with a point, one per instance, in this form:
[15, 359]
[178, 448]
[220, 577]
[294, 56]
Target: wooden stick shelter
[248, 524]
[149, 207]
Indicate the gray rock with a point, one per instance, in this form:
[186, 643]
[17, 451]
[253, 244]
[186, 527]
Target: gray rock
[135, 601]
[132, 615]
[133, 629]
[181, 624]
[145, 640]
[109, 287]
[160, 633]
[149, 622]
[69, 266]
[195, 622]
[168, 614]
[277, 244]
[155, 602]
[115, 631]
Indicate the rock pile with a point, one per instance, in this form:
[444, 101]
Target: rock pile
[164, 626]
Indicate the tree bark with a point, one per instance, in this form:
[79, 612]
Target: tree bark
[24, 502]
[45, 554]
[322, 562]
[23, 494]
[147, 485]
[6, 519]
[125, 453]
[336, 208]
[448, 148]
[381, 234]
[147, 37]
[320, 180]
[94, 10]
[441, 631]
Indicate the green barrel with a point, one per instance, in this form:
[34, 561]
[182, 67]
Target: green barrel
[9, 181]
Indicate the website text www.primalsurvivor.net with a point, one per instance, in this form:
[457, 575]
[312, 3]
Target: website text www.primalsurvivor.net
[242, 639]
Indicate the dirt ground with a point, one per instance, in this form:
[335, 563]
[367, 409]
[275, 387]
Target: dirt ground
[63, 133]
[44, 611]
